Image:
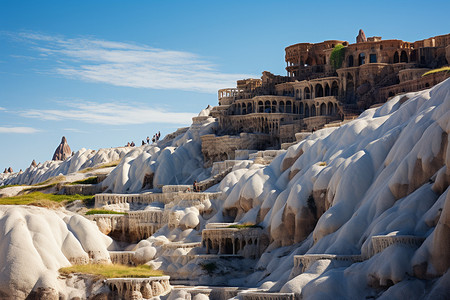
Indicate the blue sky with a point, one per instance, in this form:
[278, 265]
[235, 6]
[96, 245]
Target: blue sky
[103, 73]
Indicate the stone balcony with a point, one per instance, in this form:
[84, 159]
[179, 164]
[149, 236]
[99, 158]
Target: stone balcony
[381, 242]
[249, 242]
[149, 198]
[139, 288]
[303, 262]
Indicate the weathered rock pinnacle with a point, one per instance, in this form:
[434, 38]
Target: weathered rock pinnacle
[63, 151]
[361, 38]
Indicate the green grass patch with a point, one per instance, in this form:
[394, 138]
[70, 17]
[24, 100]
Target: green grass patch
[9, 185]
[104, 211]
[38, 188]
[443, 69]
[105, 165]
[52, 181]
[110, 164]
[89, 180]
[337, 56]
[112, 271]
[245, 225]
[41, 199]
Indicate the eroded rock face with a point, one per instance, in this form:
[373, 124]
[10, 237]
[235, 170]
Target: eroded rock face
[361, 38]
[33, 164]
[440, 256]
[63, 151]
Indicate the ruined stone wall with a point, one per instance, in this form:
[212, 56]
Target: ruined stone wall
[220, 148]
[411, 85]
[249, 242]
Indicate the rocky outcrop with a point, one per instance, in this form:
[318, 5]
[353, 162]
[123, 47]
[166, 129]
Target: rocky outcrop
[440, 256]
[33, 164]
[63, 151]
[361, 38]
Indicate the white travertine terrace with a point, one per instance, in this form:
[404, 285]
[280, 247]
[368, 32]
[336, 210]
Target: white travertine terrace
[138, 288]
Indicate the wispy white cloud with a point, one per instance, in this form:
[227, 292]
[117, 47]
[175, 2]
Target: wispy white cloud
[109, 114]
[2, 108]
[25, 130]
[131, 65]
[74, 130]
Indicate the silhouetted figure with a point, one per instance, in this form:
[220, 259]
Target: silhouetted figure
[194, 186]
[148, 140]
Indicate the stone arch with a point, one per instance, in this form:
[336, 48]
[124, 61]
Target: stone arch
[334, 89]
[349, 77]
[350, 61]
[309, 61]
[361, 59]
[335, 108]
[306, 110]
[404, 57]
[266, 126]
[288, 107]
[282, 110]
[298, 94]
[228, 247]
[330, 108]
[323, 109]
[239, 109]
[249, 108]
[267, 106]
[319, 90]
[307, 93]
[396, 57]
[300, 108]
[327, 90]
[260, 107]
[274, 107]
[313, 110]
[413, 55]
[350, 92]
[244, 109]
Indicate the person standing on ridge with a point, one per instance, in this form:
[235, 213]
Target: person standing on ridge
[194, 186]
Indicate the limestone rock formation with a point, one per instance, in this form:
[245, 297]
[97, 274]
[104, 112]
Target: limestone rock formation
[33, 164]
[63, 151]
[440, 256]
[10, 170]
[361, 38]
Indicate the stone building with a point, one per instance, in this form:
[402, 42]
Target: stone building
[316, 92]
